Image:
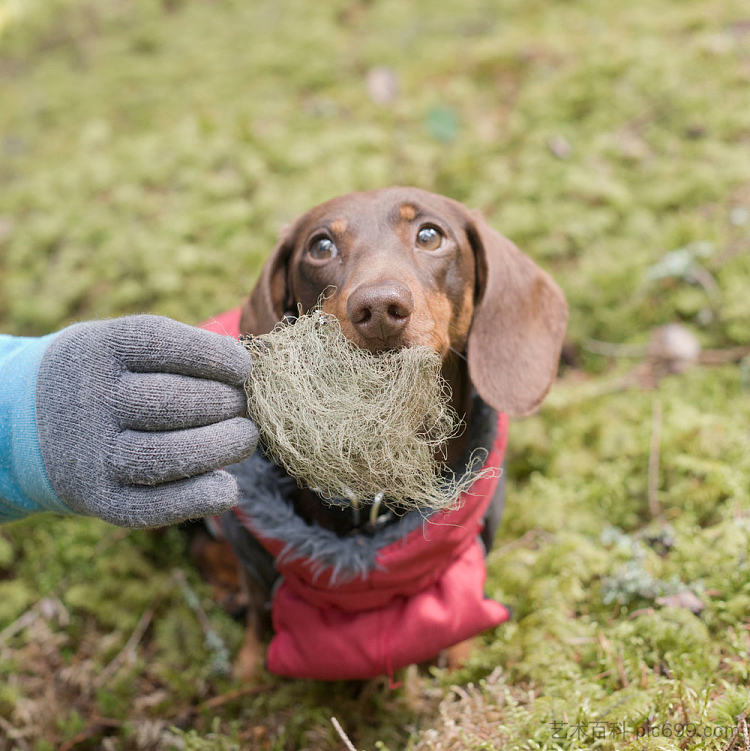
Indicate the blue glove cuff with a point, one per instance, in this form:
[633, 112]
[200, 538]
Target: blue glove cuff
[24, 485]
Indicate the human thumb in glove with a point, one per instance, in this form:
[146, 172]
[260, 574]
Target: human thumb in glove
[136, 416]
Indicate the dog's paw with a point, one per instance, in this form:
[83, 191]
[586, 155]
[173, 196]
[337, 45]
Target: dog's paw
[250, 658]
[457, 656]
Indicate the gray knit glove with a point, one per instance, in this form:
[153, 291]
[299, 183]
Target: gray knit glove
[135, 416]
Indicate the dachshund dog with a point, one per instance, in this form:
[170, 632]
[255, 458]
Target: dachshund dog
[402, 267]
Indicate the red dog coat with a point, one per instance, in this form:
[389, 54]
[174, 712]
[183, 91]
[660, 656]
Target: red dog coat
[425, 592]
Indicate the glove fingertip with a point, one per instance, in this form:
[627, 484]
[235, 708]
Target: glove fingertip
[215, 493]
[238, 359]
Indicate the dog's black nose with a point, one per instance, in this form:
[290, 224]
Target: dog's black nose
[380, 311]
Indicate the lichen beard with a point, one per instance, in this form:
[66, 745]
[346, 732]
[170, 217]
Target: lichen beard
[354, 426]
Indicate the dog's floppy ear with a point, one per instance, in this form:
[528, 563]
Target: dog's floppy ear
[520, 316]
[268, 301]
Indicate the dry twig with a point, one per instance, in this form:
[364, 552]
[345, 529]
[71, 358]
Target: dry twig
[214, 643]
[128, 651]
[344, 737]
[520, 542]
[237, 693]
[653, 459]
[723, 356]
[47, 608]
[741, 727]
[611, 349]
[616, 658]
[99, 724]
[23, 621]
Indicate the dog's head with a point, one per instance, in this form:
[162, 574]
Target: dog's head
[404, 267]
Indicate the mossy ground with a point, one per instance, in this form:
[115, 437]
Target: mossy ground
[149, 154]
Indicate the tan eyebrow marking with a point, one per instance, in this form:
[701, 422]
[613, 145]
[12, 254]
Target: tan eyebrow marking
[338, 226]
[407, 211]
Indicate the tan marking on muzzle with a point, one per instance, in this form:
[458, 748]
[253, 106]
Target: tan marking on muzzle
[429, 324]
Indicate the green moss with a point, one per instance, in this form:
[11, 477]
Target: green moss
[71, 723]
[116, 700]
[9, 695]
[15, 597]
[150, 153]
[6, 553]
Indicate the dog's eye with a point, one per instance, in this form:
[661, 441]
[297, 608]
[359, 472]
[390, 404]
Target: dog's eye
[322, 248]
[429, 238]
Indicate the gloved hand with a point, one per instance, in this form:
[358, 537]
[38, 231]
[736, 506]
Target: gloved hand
[136, 415]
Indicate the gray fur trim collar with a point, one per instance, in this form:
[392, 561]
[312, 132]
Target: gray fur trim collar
[265, 492]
